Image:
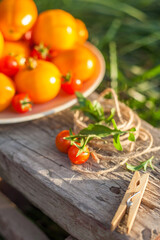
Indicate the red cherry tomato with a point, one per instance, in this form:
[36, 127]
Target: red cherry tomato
[82, 158]
[22, 103]
[9, 66]
[41, 52]
[70, 85]
[62, 144]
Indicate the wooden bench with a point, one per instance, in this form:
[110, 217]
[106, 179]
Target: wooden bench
[70, 238]
[82, 205]
[14, 225]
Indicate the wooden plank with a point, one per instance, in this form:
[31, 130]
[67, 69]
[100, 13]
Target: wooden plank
[70, 238]
[83, 205]
[14, 225]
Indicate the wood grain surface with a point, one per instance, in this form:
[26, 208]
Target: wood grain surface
[70, 238]
[14, 225]
[82, 205]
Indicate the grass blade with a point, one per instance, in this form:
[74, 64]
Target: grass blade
[113, 65]
[140, 43]
[122, 7]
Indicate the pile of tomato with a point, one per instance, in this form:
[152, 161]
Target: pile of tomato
[40, 54]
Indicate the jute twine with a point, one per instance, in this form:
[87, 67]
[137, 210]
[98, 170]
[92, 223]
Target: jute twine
[105, 158]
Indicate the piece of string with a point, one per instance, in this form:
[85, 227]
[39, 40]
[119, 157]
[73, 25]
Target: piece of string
[104, 153]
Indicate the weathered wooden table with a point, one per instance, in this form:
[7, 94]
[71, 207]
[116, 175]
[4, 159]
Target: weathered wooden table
[82, 205]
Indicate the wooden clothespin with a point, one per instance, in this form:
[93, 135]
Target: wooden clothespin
[131, 201]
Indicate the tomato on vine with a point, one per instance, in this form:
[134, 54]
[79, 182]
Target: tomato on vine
[22, 103]
[78, 159]
[62, 144]
[70, 84]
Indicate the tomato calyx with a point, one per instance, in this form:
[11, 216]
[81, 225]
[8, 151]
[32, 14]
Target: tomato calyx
[78, 151]
[76, 157]
[41, 52]
[11, 31]
[66, 78]
[31, 63]
[22, 103]
[69, 84]
[42, 49]
[79, 141]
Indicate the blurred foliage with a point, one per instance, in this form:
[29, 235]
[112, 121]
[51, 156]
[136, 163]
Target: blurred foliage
[128, 34]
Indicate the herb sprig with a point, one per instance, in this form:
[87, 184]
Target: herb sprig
[97, 130]
[92, 110]
[143, 165]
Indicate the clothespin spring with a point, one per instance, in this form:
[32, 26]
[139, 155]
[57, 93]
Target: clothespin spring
[129, 202]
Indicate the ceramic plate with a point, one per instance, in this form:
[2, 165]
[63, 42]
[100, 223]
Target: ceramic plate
[62, 101]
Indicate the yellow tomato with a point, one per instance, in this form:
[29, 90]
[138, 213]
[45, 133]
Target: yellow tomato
[80, 62]
[19, 49]
[56, 29]
[7, 91]
[16, 17]
[82, 31]
[41, 82]
[1, 44]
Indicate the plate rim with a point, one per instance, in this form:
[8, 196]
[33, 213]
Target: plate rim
[69, 103]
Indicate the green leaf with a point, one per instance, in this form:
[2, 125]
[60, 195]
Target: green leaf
[92, 110]
[131, 137]
[142, 165]
[116, 142]
[114, 124]
[108, 96]
[98, 108]
[133, 129]
[99, 130]
[107, 120]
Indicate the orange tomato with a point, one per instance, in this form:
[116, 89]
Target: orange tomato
[41, 82]
[19, 49]
[16, 17]
[82, 31]
[7, 91]
[80, 62]
[56, 29]
[1, 44]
